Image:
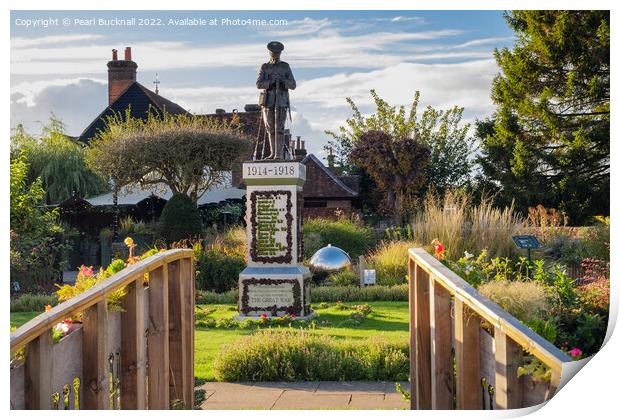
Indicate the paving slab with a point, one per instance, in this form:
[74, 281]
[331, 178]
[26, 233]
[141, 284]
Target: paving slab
[312, 402]
[362, 395]
[375, 402]
[249, 396]
[353, 387]
[298, 386]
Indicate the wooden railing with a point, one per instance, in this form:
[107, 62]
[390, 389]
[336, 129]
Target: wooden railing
[140, 358]
[465, 350]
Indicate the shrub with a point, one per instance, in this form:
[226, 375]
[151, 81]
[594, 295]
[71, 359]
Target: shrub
[204, 297]
[180, 219]
[33, 303]
[354, 238]
[294, 355]
[525, 300]
[398, 292]
[344, 278]
[390, 261]
[218, 268]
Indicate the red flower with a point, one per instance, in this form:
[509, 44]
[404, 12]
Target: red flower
[440, 250]
[263, 315]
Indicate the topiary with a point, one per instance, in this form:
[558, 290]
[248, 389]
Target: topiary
[180, 219]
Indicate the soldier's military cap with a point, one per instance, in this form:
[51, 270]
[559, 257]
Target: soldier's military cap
[275, 46]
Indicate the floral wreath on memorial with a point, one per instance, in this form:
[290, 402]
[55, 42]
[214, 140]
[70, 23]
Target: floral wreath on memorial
[294, 309]
[282, 259]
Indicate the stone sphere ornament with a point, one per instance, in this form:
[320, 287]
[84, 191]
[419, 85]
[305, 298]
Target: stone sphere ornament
[330, 259]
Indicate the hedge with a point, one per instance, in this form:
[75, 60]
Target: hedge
[299, 355]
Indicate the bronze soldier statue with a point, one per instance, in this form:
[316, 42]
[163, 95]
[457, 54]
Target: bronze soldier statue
[275, 78]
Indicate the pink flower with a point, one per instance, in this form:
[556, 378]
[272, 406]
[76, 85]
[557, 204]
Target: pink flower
[86, 271]
[35, 249]
[575, 353]
[293, 316]
[263, 315]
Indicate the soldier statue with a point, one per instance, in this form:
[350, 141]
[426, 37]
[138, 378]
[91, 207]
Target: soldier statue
[275, 79]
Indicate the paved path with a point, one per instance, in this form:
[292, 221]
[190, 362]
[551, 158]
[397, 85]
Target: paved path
[303, 396]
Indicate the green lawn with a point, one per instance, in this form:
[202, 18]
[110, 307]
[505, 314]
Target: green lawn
[387, 319]
[20, 318]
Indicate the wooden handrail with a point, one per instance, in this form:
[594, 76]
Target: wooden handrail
[39, 324]
[432, 287]
[143, 358]
[491, 312]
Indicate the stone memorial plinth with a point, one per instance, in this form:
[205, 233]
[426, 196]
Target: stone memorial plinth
[274, 282]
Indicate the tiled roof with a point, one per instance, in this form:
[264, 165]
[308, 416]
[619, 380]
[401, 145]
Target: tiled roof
[322, 182]
[140, 100]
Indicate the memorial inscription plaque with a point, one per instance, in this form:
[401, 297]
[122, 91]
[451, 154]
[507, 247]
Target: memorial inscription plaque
[274, 283]
[272, 225]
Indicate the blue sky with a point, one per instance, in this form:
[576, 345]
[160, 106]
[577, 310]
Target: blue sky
[446, 55]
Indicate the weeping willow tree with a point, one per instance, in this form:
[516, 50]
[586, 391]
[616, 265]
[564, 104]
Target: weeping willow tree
[58, 161]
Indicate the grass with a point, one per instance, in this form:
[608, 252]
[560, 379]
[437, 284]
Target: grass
[387, 319]
[20, 318]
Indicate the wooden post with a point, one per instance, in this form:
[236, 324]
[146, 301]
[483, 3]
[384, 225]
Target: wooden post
[187, 278]
[95, 374]
[467, 335]
[38, 370]
[442, 366]
[133, 364]
[412, 353]
[158, 346]
[423, 393]
[177, 338]
[507, 384]
[362, 267]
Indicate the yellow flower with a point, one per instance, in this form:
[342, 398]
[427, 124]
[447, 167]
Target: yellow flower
[128, 241]
[48, 308]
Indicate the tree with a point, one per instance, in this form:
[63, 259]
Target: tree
[27, 215]
[440, 131]
[190, 154]
[397, 165]
[180, 219]
[57, 161]
[36, 247]
[548, 142]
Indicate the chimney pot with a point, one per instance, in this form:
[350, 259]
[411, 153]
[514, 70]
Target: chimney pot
[114, 55]
[303, 145]
[127, 53]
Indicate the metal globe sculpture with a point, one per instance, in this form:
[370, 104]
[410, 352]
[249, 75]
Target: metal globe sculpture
[330, 259]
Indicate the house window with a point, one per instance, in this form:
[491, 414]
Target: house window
[314, 204]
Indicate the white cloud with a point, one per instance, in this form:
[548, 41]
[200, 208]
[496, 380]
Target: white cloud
[324, 49]
[442, 85]
[416, 19]
[303, 26]
[21, 42]
[29, 90]
[76, 103]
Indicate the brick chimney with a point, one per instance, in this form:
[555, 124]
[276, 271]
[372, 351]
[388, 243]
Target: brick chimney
[121, 74]
[300, 149]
